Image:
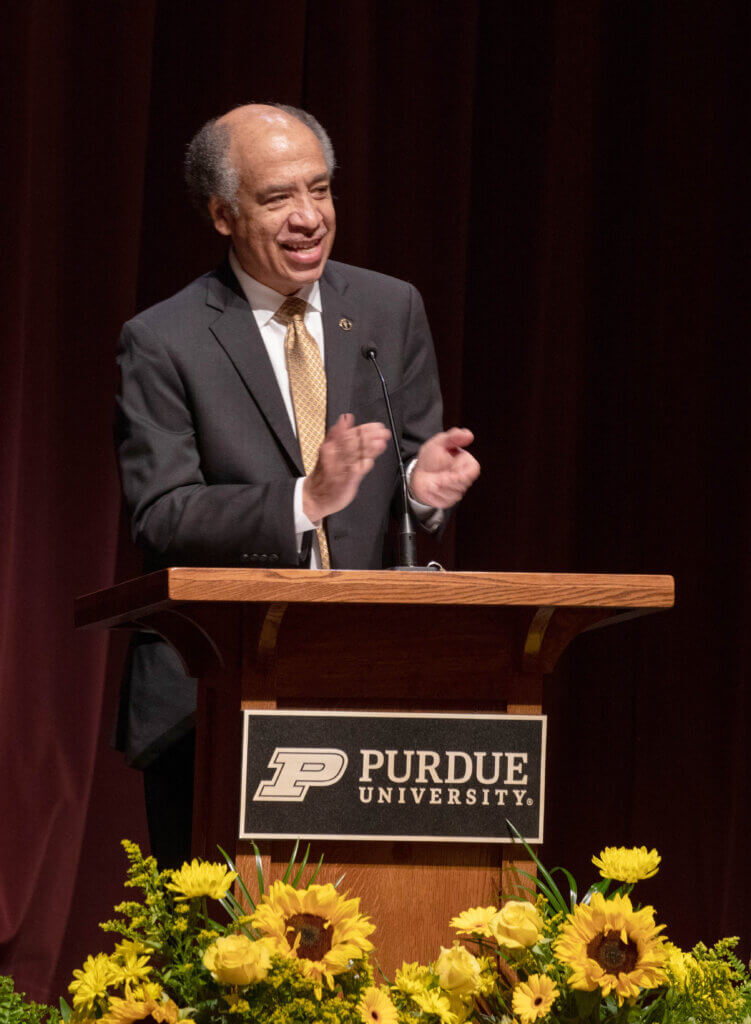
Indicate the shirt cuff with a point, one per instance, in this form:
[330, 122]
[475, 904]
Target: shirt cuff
[302, 523]
[430, 518]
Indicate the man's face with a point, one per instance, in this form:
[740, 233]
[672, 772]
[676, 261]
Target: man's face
[284, 226]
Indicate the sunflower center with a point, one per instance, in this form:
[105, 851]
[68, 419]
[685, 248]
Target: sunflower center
[612, 954]
[315, 937]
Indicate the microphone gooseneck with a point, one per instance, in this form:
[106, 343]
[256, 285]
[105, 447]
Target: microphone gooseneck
[407, 539]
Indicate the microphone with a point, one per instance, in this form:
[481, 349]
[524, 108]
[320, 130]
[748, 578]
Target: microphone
[406, 535]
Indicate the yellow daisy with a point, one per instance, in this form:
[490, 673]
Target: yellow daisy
[375, 1007]
[196, 879]
[475, 921]
[321, 928]
[610, 945]
[624, 864]
[91, 981]
[434, 1002]
[534, 998]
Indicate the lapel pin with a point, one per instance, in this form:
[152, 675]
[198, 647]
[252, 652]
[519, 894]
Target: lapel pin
[345, 324]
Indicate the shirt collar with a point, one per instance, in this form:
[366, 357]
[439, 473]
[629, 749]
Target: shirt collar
[264, 301]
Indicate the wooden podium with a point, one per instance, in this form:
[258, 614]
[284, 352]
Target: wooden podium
[455, 642]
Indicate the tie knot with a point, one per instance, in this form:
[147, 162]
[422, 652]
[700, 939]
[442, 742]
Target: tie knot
[291, 309]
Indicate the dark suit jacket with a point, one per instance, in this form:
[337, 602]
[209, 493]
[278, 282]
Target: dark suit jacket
[208, 458]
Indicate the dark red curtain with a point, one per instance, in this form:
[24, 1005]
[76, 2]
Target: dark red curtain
[563, 182]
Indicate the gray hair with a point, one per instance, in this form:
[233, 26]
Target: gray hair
[209, 170]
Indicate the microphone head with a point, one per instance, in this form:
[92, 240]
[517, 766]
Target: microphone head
[369, 351]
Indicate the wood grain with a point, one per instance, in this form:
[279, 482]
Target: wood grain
[119, 605]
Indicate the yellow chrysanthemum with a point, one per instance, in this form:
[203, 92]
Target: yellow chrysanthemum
[129, 1011]
[321, 928]
[147, 990]
[611, 946]
[196, 879]
[475, 921]
[133, 969]
[533, 998]
[412, 978]
[434, 1002]
[375, 1007]
[91, 981]
[627, 864]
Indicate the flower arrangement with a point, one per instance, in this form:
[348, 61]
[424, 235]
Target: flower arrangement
[301, 953]
[560, 960]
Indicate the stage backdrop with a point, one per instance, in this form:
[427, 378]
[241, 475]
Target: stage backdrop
[562, 183]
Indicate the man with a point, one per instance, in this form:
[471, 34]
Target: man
[248, 425]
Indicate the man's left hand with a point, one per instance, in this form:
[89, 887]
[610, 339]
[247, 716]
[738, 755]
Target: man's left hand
[444, 470]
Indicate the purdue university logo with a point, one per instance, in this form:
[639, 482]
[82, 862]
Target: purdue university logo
[299, 768]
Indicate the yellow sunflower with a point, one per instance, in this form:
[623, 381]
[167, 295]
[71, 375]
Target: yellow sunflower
[129, 1011]
[91, 981]
[475, 921]
[196, 879]
[534, 998]
[321, 928]
[375, 1007]
[610, 945]
[624, 864]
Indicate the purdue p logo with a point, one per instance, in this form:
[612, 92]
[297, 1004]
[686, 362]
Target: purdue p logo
[299, 768]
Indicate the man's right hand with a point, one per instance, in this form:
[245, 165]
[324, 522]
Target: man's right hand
[347, 454]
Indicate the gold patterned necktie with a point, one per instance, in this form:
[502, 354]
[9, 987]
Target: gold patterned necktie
[307, 385]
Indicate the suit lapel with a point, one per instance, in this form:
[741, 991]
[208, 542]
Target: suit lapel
[342, 346]
[237, 332]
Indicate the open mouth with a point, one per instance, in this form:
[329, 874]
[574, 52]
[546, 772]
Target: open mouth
[305, 251]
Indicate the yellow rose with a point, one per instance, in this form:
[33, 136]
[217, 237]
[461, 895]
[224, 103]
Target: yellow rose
[458, 971]
[517, 925]
[237, 960]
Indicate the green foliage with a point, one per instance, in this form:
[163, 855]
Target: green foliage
[14, 1009]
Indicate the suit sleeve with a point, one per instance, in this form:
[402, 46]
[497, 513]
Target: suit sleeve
[177, 517]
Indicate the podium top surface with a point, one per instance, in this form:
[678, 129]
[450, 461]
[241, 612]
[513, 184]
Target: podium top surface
[168, 588]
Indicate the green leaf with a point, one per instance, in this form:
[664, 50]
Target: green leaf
[553, 894]
[65, 1010]
[240, 882]
[602, 887]
[303, 865]
[315, 873]
[291, 863]
[259, 867]
[573, 890]
[587, 1002]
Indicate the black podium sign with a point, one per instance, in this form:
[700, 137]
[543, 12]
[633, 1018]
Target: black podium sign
[383, 776]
